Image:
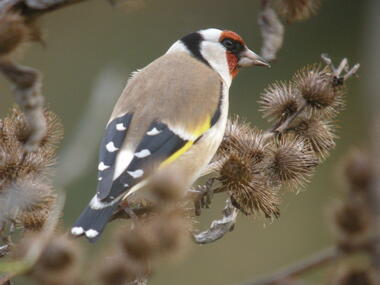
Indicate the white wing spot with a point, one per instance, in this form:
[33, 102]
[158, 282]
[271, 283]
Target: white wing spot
[100, 178]
[126, 185]
[143, 153]
[120, 127]
[137, 173]
[153, 132]
[102, 166]
[96, 204]
[111, 147]
[77, 231]
[91, 233]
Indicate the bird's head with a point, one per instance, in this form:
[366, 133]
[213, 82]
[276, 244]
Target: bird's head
[223, 50]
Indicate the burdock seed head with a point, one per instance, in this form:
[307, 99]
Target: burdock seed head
[41, 199]
[317, 132]
[242, 170]
[297, 10]
[242, 140]
[279, 101]
[59, 260]
[315, 85]
[161, 233]
[292, 161]
[250, 189]
[352, 275]
[358, 170]
[351, 220]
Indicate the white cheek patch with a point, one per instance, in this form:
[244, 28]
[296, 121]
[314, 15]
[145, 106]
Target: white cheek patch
[216, 56]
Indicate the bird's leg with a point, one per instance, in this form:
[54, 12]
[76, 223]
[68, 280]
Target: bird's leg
[126, 207]
[131, 213]
[204, 196]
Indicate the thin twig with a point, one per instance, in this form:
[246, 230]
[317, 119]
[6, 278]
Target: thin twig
[315, 261]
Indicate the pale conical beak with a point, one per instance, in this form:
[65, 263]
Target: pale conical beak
[249, 58]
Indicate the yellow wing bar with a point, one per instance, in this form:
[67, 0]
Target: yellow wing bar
[196, 133]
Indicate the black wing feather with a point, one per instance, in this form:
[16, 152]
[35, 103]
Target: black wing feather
[108, 158]
[161, 146]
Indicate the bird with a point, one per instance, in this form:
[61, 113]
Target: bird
[171, 115]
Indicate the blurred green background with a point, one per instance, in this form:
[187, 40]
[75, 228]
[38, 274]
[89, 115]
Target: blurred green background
[92, 47]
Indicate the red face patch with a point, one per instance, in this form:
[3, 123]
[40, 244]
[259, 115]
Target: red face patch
[232, 58]
[231, 35]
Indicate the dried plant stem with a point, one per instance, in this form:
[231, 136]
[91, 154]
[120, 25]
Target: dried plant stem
[280, 127]
[315, 261]
[219, 227]
[28, 96]
[272, 31]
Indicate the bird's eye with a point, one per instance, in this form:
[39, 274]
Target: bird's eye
[228, 44]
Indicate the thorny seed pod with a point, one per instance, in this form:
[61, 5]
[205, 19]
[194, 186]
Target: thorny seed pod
[242, 170]
[296, 10]
[355, 276]
[59, 254]
[58, 262]
[120, 270]
[165, 232]
[40, 202]
[358, 170]
[172, 228]
[167, 187]
[279, 101]
[319, 133]
[292, 161]
[351, 219]
[315, 85]
[139, 243]
[248, 186]
[25, 187]
[243, 139]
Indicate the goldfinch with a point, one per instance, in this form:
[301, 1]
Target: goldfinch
[172, 114]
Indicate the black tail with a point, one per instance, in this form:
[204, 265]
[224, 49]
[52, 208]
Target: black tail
[92, 222]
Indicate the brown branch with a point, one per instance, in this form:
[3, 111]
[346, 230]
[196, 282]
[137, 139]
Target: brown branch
[272, 31]
[27, 88]
[27, 81]
[315, 261]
